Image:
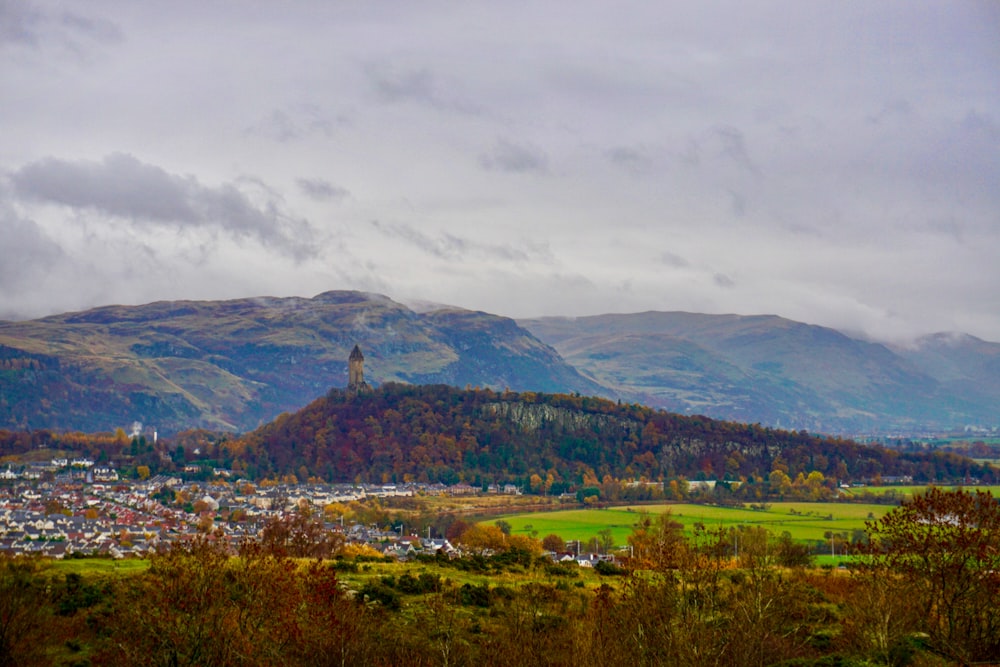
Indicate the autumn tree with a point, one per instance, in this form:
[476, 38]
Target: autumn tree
[553, 542]
[658, 542]
[177, 613]
[299, 535]
[945, 548]
[23, 613]
[483, 539]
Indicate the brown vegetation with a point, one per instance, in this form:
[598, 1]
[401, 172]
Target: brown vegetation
[923, 596]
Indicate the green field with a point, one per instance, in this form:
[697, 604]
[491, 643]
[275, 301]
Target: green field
[909, 490]
[804, 521]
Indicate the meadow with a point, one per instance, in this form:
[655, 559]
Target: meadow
[803, 520]
[905, 491]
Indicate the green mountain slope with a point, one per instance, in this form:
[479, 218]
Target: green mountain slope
[775, 371]
[234, 365]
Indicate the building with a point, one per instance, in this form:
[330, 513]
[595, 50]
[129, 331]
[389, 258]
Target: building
[356, 373]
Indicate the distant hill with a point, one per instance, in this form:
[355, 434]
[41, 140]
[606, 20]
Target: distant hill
[775, 371]
[234, 365]
[436, 433]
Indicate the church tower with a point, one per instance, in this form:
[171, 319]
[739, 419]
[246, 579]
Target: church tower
[356, 372]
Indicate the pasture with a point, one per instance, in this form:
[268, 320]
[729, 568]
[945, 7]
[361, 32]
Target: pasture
[803, 520]
[906, 491]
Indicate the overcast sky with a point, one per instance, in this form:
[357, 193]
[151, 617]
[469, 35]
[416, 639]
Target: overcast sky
[836, 163]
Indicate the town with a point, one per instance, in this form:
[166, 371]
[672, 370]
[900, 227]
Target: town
[72, 507]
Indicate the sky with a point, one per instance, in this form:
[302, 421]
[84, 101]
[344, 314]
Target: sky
[836, 163]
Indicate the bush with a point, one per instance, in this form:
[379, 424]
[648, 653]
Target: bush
[376, 591]
[563, 570]
[608, 569]
[474, 596]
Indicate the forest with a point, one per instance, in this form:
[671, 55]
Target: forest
[542, 443]
[923, 594]
[435, 433]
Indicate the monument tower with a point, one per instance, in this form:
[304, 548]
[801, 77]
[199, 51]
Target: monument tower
[356, 373]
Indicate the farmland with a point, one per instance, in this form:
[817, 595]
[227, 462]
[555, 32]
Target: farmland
[804, 521]
[905, 491]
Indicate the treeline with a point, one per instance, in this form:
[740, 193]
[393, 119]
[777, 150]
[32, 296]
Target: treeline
[924, 594]
[435, 433]
[542, 443]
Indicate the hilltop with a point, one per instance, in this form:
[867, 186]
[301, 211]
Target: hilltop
[436, 433]
[234, 365]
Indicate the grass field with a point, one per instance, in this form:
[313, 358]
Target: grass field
[804, 521]
[908, 491]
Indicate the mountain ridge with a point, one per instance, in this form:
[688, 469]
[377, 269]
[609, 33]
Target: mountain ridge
[236, 364]
[809, 376]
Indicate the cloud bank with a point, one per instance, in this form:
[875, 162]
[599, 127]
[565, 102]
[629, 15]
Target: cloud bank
[831, 162]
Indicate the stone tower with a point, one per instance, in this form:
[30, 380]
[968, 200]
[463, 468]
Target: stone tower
[356, 372]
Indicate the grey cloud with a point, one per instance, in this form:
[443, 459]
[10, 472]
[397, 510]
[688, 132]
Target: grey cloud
[510, 157]
[285, 125]
[121, 186]
[393, 84]
[414, 237]
[633, 160]
[451, 247]
[896, 109]
[738, 202]
[98, 29]
[723, 281]
[23, 24]
[676, 261]
[321, 190]
[733, 146]
[19, 23]
[28, 251]
[982, 125]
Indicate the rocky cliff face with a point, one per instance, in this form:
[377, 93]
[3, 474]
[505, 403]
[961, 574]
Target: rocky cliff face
[534, 417]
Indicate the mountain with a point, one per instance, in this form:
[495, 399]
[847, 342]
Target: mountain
[783, 373]
[436, 433]
[965, 364]
[233, 365]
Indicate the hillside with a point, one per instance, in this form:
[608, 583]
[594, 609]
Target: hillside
[233, 365]
[775, 371]
[441, 434]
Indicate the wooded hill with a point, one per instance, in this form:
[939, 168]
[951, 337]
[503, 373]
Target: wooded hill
[550, 443]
